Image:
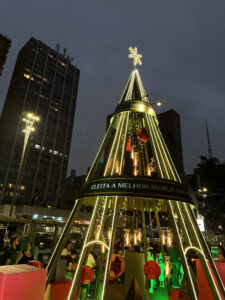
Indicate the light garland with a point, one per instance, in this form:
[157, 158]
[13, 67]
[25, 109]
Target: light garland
[127, 238]
[135, 171]
[169, 239]
[163, 238]
[139, 235]
[135, 238]
[167, 266]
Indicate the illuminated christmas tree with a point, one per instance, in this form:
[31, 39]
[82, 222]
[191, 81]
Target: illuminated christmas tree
[133, 171]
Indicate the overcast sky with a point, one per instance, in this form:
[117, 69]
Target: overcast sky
[183, 48]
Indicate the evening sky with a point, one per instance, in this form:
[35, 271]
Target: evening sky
[183, 48]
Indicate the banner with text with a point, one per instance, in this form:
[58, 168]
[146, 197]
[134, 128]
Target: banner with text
[136, 187]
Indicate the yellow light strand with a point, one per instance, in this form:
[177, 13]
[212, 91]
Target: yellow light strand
[117, 132]
[118, 143]
[153, 143]
[162, 158]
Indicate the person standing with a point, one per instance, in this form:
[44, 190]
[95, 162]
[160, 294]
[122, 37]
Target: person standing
[91, 261]
[10, 255]
[67, 250]
[26, 255]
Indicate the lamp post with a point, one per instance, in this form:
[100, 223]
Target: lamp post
[158, 103]
[29, 122]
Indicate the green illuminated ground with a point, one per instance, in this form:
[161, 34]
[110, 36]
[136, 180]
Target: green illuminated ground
[160, 294]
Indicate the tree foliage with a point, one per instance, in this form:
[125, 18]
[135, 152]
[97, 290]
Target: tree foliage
[212, 177]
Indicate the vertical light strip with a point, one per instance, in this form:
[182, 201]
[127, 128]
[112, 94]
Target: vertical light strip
[157, 132]
[168, 153]
[110, 248]
[131, 86]
[102, 218]
[153, 143]
[183, 223]
[185, 206]
[109, 128]
[181, 245]
[118, 143]
[124, 148]
[192, 225]
[128, 88]
[206, 263]
[115, 138]
[145, 146]
[165, 168]
[75, 279]
[174, 177]
[142, 90]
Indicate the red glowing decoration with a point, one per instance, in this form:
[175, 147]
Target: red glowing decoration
[129, 145]
[87, 275]
[152, 270]
[35, 263]
[117, 266]
[142, 135]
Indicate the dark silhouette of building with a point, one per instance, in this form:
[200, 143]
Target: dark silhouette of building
[5, 43]
[169, 124]
[72, 189]
[44, 82]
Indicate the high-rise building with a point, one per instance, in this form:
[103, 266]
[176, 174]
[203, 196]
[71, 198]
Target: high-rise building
[5, 43]
[44, 82]
[169, 124]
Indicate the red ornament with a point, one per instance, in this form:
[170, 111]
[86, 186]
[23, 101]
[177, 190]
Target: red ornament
[176, 294]
[142, 135]
[129, 144]
[35, 263]
[152, 270]
[117, 266]
[87, 275]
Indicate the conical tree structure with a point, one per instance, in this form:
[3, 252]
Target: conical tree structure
[133, 170]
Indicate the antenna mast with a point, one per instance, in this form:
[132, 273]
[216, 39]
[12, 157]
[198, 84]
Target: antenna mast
[208, 139]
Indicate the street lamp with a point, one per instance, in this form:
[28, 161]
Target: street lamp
[158, 103]
[29, 122]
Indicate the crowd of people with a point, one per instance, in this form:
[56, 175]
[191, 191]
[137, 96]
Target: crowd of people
[72, 257]
[14, 255]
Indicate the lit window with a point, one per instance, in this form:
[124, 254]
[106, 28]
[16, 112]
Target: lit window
[55, 152]
[38, 75]
[37, 146]
[50, 150]
[26, 75]
[62, 63]
[43, 97]
[54, 108]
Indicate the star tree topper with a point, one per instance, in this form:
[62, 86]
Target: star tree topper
[135, 56]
